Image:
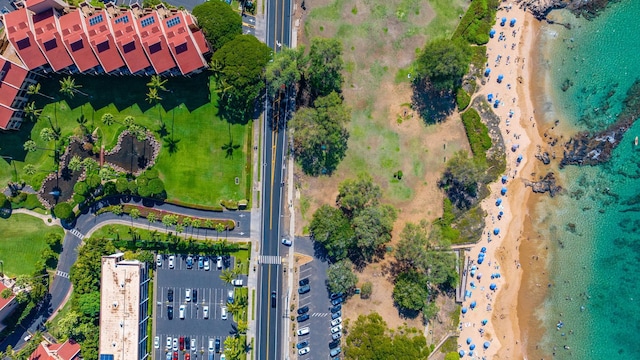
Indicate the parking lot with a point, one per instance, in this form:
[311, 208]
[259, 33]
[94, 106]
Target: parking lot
[317, 300]
[206, 291]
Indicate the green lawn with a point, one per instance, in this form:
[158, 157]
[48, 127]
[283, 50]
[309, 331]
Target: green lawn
[200, 171]
[22, 242]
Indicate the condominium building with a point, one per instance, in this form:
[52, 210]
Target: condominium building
[124, 300]
[45, 36]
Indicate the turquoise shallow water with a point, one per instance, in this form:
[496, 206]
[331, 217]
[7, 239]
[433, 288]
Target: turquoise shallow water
[594, 229]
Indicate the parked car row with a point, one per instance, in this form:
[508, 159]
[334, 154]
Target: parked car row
[186, 344]
[336, 324]
[203, 262]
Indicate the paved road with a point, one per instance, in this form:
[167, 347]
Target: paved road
[270, 321]
[61, 285]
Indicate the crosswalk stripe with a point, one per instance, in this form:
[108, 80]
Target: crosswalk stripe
[319, 314]
[270, 259]
[77, 233]
[62, 274]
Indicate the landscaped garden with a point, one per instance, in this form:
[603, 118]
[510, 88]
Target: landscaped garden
[203, 159]
[23, 242]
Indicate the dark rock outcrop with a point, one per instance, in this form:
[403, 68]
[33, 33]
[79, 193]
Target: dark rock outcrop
[546, 184]
[586, 8]
[544, 157]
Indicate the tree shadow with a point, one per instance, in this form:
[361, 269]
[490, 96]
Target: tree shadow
[230, 147]
[319, 252]
[407, 314]
[432, 105]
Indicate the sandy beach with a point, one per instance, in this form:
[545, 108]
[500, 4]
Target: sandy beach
[508, 254]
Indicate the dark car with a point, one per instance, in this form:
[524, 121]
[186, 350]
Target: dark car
[302, 318]
[336, 301]
[303, 344]
[170, 295]
[303, 310]
[170, 312]
[194, 294]
[189, 262]
[186, 343]
[336, 315]
[304, 289]
[304, 282]
[336, 308]
[217, 345]
[273, 299]
[334, 344]
[335, 296]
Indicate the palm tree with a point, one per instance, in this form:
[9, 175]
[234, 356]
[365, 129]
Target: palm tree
[29, 169]
[227, 276]
[195, 224]
[32, 112]
[35, 90]
[68, 87]
[47, 134]
[90, 165]
[235, 307]
[179, 228]
[153, 96]
[242, 327]
[167, 220]
[108, 119]
[129, 121]
[151, 218]
[220, 228]
[30, 146]
[157, 83]
[75, 164]
[134, 213]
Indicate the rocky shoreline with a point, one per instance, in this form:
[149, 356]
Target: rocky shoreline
[588, 9]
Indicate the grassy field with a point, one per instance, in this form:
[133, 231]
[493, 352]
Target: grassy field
[201, 170]
[22, 242]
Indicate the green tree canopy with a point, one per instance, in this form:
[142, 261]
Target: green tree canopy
[410, 291]
[242, 62]
[63, 211]
[320, 140]
[325, 66]
[356, 194]
[341, 277]
[89, 303]
[285, 69]
[219, 22]
[331, 228]
[443, 63]
[411, 250]
[460, 179]
[372, 227]
[370, 339]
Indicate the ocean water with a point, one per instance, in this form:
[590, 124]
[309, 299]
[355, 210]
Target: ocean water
[593, 230]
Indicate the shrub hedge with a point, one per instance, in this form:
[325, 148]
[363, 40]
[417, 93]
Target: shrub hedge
[145, 211]
[477, 133]
[477, 22]
[462, 99]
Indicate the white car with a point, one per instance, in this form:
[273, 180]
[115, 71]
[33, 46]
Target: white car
[219, 262]
[193, 344]
[304, 350]
[223, 314]
[205, 312]
[159, 260]
[230, 296]
[182, 308]
[236, 282]
[156, 342]
[210, 346]
[335, 322]
[187, 295]
[171, 261]
[168, 342]
[286, 242]
[175, 344]
[336, 329]
[303, 331]
[222, 357]
[206, 264]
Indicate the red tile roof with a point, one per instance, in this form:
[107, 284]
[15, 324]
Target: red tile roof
[181, 44]
[128, 42]
[102, 41]
[22, 38]
[50, 41]
[5, 116]
[3, 110]
[12, 74]
[155, 43]
[66, 351]
[198, 36]
[76, 41]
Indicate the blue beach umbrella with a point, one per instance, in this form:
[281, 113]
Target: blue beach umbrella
[490, 98]
[474, 267]
[501, 213]
[493, 286]
[504, 179]
[464, 310]
[479, 276]
[461, 353]
[492, 33]
[500, 77]
[473, 273]
[519, 159]
[468, 341]
[487, 71]
[512, 23]
[499, 201]
[496, 231]
[503, 190]
[481, 260]
[473, 306]
[483, 250]
[486, 344]
[496, 104]
[503, 21]
[472, 347]
[484, 322]
[467, 294]
[470, 353]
